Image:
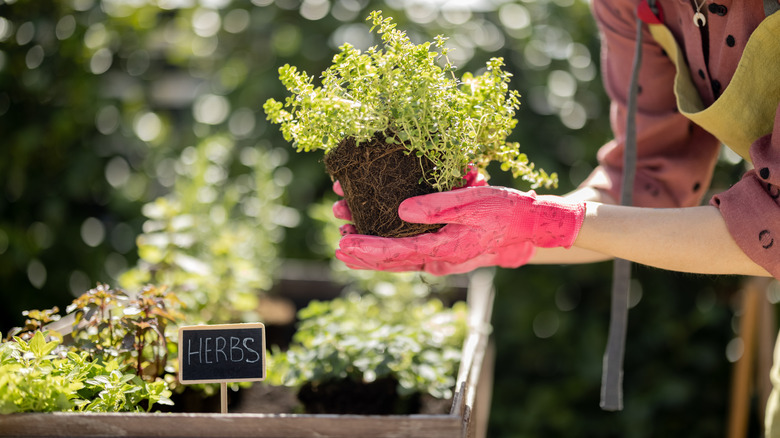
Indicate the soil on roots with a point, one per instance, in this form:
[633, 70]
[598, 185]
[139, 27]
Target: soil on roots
[376, 178]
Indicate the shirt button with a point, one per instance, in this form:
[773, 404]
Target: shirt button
[716, 87]
[718, 9]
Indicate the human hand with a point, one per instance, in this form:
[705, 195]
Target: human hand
[341, 211]
[486, 226]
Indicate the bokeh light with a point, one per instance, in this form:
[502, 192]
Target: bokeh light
[93, 232]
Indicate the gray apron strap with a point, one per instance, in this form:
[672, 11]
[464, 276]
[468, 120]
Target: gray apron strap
[612, 366]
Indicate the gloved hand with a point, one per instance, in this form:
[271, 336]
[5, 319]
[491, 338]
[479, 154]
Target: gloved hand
[341, 211]
[485, 226]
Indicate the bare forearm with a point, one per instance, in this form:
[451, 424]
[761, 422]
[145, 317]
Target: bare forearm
[571, 256]
[681, 239]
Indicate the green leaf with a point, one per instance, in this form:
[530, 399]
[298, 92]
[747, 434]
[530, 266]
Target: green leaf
[39, 347]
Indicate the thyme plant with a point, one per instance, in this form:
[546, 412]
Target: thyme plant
[410, 91]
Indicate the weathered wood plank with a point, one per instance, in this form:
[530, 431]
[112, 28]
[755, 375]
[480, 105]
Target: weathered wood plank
[230, 425]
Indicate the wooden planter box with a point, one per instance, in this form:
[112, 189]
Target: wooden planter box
[466, 418]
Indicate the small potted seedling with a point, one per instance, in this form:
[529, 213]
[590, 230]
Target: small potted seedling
[396, 122]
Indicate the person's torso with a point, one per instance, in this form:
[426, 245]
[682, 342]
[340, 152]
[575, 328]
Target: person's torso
[726, 56]
[713, 50]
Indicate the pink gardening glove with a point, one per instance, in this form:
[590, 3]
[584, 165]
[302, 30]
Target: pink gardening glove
[341, 211]
[486, 226]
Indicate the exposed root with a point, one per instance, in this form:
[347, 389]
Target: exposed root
[376, 177]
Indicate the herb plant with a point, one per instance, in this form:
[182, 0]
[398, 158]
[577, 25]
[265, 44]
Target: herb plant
[117, 360]
[365, 338]
[410, 93]
[112, 324]
[43, 376]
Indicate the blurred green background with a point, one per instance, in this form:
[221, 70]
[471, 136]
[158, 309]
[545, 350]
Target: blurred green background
[123, 117]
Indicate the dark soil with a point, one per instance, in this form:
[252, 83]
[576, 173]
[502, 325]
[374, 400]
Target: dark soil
[265, 399]
[351, 397]
[336, 397]
[376, 178]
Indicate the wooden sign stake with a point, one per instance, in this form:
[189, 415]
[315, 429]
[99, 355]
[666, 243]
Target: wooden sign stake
[223, 396]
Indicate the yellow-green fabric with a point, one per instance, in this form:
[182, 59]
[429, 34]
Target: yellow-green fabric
[743, 113]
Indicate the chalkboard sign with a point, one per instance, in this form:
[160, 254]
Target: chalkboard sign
[222, 353]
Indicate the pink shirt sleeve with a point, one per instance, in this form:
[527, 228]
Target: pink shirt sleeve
[751, 208]
[676, 157]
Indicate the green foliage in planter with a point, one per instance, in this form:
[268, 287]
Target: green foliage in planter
[109, 323]
[44, 376]
[117, 359]
[403, 89]
[365, 338]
